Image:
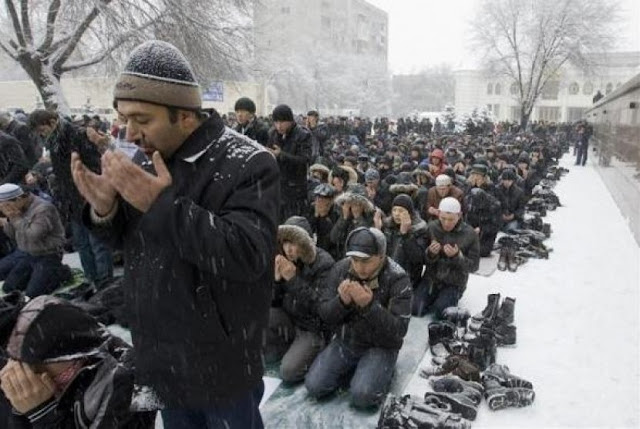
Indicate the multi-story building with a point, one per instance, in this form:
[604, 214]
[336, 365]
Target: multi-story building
[305, 49]
[564, 99]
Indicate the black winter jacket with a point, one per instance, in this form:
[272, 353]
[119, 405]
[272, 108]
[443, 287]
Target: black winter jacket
[511, 200]
[99, 396]
[294, 161]
[68, 138]
[483, 211]
[199, 269]
[301, 294]
[255, 130]
[384, 322]
[13, 163]
[27, 141]
[445, 271]
[408, 250]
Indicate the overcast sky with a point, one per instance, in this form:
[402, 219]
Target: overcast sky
[425, 33]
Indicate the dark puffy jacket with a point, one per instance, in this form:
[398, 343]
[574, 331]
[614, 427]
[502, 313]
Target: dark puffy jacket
[199, 269]
[511, 200]
[29, 145]
[301, 294]
[483, 211]
[68, 138]
[319, 137]
[255, 130]
[101, 393]
[13, 163]
[321, 227]
[384, 322]
[408, 250]
[453, 271]
[294, 161]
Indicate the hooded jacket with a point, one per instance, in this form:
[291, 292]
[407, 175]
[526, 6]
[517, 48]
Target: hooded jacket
[384, 322]
[199, 269]
[408, 249]
[301, 295]
[49, 329]
[13, 163]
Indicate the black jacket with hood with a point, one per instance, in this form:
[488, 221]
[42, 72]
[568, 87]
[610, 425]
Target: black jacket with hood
[300, 296]
[199, 269]
[100, 394]
[384, 322]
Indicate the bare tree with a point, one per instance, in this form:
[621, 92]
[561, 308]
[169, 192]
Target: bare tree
[49, 38]
[529, 41]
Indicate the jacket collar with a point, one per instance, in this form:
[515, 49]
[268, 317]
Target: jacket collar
[201, 139]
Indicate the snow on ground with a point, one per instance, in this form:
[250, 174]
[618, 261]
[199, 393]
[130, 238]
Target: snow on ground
[577, 316]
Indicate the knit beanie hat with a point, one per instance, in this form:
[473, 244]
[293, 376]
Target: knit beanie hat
[450, 205]
[371, 175]
[443, 180]
[404, 201]
[245, 104]
[282, 113]
[157, 72]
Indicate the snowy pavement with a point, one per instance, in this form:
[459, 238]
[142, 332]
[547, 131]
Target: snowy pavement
[577, 316]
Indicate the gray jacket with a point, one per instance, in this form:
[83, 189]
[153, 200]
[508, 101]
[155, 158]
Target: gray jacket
[38, 231]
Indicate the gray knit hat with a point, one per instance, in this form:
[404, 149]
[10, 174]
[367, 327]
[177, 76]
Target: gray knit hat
[9, 192]
[158, 73]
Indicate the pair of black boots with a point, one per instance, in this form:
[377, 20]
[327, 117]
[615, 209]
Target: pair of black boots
[508, 259]
[505, 390]
[495, 320]
[412, 412]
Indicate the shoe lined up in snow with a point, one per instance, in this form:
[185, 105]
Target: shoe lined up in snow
[505, 390]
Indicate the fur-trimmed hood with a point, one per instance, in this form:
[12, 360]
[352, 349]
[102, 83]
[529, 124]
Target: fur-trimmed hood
[326, 171]
[297, 235]
[353, 175]
[349, 197]
[404, 188]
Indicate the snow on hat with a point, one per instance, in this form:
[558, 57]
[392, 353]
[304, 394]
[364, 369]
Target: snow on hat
[246, 104]
[50, 329]
[324, 190]
[9, 192]
[157, 72]
[443, 180]
[282, 113]
[365, 242]
[404, 201]
[371, 175]
[450, 205]
[300, 222]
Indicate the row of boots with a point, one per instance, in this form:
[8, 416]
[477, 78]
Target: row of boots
[454, 402]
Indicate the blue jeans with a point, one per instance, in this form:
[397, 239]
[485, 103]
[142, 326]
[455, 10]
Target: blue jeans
[441, 297]
[35, 275]
[95, 256]
[372, 370]
[242, 414]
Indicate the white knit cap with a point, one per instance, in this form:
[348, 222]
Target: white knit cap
[443, 180]
[9, 191]
[450, 205]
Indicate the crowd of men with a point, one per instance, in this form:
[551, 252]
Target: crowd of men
[327, 233]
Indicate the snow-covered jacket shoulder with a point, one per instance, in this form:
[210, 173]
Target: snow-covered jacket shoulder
[199, 268]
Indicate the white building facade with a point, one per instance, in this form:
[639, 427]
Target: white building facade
[564, 99]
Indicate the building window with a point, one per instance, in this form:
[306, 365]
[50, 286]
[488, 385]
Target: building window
[587, 88]
[496, 110]
[515, 113]
[489, 107]
[489, 88]
[618, 85]
[497, 90]
[549, 114]
[326, 22]
[609, 88]
[550, 90]
[513, 89]
[574, 88]
[285, 10]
